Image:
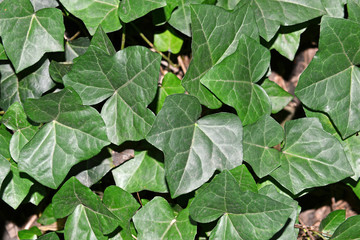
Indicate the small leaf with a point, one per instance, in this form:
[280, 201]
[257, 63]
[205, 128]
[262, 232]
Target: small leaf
[156, 220]
[348, 230]
[311, 157]
[31, 233]
[45, 26]
[95, 13]
[168, 42]
[130, 10]
[279, 97]
[73, 133]
[58, 70]
[259, 138]
[332, 221]
[76, 48]
[193, 148]
[2, 53]
[171, 84]
[47, 216]
[49, 236]
[141, 173]
[233, 80]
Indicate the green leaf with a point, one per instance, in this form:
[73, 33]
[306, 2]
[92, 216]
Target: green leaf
[49, 236]
[332, 221]
[95, 13]
[156, 220]
[353, 7]
[5, 138]
[4, 168]
[223, 198]
[348, 230]
[31, 233]
[335, 8]
[287, 13]
[130, 77]
[244, 178]
[141, 173]
[2, 53]
[89, 218]
[121, 203]
[73, 133]
[193, 148]
[171, 84]
[311, 157]
[233, 80]
[16, 120]
[15, 187]
[28, 84]
[227, 4]
[333, 88]
[130, 10]
[168, 42]
[279, 97]
[47, 216]
[58, 70]
[210, 47]
[75, 48]
[40, 4]
[259, 138]
[22, 46]
[37, 193]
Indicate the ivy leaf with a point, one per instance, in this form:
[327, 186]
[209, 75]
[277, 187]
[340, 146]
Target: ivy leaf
[348, 230]
[223, 198]
[233, 80]
[31, 233]
[28, 84]
[210, 47]
[49, 236]
[332, 221]
[45, 26]
[311, 157]
[58, 70]
[40, 4]
[353, 7]
[89, 218]
[72, 133]
[75, 48]
[244, 178]
[227, 4]
[16, 120]
[259, 138]
[193, 148]
[94, 13]
[2, 53]
[141, 173]
[130, 10]
[171, 84]
[288, 13]
[5, 138]
[333, 89]
[168, 42]
[156, 220]
[279, 97]
[335, 8]
[130, 77]
[4, 168]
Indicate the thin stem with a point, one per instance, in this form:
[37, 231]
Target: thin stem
[2, 112]
[73, 37]
[138, 196]
[123, 36]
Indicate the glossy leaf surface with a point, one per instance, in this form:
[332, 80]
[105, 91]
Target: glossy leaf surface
[193, 148]
[40, 4]
[130, 10]
[279, 97]
[332, 221]
[171, 84]
[348, 230]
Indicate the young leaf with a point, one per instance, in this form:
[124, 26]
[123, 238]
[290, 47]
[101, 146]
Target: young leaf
[348, 230]
[168, 42]
[210, 46]
[72, 133]
[233, 80]
[89, 218]
[141, 173]
[311, 157]
[130, 10]
[333, 88]
[31, 233]
[279, 97]
[171, 84]
[193, 148]
[332, 221]
[259, 138]
[94, 13]
[156, 220]
[49, 236]
[45, 26]
[261, 215]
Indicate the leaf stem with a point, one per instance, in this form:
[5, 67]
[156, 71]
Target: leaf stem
[2, 112]
[123, 36]
[139, 199]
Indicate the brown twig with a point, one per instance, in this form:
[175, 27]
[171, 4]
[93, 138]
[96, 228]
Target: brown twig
[305, 229]
[73, 37]
[181, 63]
[30, 222]
[139, 199]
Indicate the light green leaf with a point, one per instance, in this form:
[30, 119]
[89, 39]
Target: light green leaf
[4, 168]
[95, 13]
[287, 13]
[244, 178]
[261, 215]
[311, 157]
[73, 133]
[22, 46]
[353, 7]
[227, 4]
[130, 10]
[193, 148]
[76, 48]
[2, 53]
[348, 230]
[332, 221]
[129, 78]
[37, 193]
[168, 42]
[89, 218]
[58, 70]
[233, 80]
[29, 84]
[49, 236]
[279, 97]
[259, 138]
[171, 84]
[31, 233]
[335, 8]
[40, 4]
[157, 220]
[210, 47]
[141, 173]
[333, 88]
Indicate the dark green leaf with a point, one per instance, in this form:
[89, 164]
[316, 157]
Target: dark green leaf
[194, 149]
[353, 7]
[22, 46]
[5, 138]
[2, 53]
[130, 10]
[244, 178]
[47, 216]
[332, 221]
[73, 133]
[58, 70]
[95, 13]
[49, 236]
[40, 4]
[279, 97]
[156, 220]
[76, 48]
[348, 230]
[311, 157]
[141, 173]
[171, 84]
[332, 88]
[233, 80]
[210, 46]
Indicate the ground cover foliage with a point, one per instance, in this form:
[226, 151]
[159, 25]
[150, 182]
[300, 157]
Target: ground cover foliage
[96, 136]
